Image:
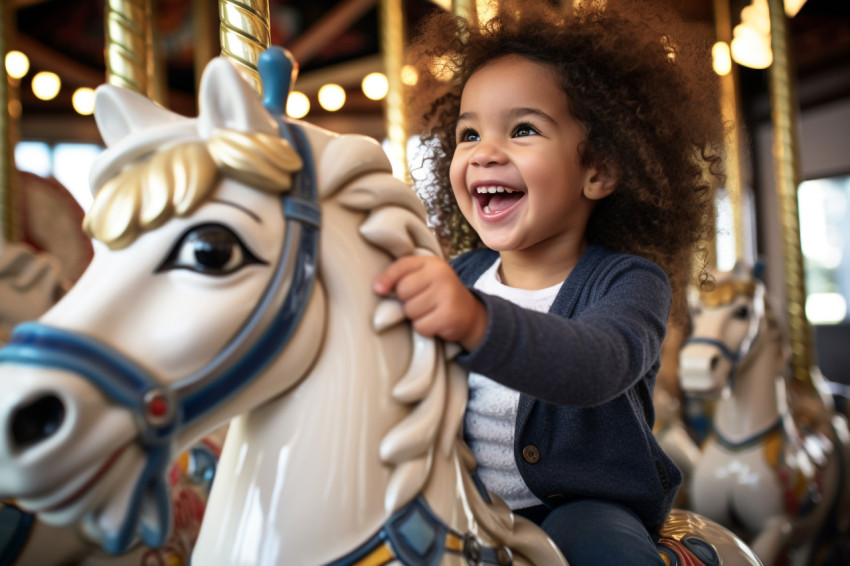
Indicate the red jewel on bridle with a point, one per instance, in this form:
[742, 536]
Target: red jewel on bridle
[157, 405]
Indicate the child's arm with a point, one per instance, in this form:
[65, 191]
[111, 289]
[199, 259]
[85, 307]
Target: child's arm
[435, 300]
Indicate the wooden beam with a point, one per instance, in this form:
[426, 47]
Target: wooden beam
[328, 28]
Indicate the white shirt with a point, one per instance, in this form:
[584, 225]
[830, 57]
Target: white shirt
[491, 411]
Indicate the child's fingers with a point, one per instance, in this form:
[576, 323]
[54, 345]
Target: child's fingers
[388, 278]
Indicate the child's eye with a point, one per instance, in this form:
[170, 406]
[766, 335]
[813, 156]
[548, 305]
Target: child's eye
[525, 130]
[467, 134]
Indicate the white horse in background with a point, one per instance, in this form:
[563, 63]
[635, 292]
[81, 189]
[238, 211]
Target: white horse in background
[232, 280]
[30, 283]
[774, 468]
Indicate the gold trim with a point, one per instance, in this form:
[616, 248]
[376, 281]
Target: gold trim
[381, 555]
[724, 293]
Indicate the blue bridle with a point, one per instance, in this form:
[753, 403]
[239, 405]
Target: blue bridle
[161, 409]
[744, 347]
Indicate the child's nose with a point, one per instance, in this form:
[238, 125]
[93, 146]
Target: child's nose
[488, 153]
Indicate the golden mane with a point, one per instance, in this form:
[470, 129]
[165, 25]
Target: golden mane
[176, 180]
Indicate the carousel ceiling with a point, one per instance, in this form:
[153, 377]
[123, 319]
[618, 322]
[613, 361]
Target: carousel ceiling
[334, 40]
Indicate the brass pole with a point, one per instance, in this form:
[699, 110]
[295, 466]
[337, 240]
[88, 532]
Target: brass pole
[244, 34]
[787, 172]
[129, 57]
[392, 50]
[729, 97]
[9, 217]
[205, 27]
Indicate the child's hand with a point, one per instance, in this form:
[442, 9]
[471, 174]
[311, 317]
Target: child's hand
[435, 300]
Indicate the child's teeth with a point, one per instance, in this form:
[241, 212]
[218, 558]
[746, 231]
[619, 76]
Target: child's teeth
[486, 209]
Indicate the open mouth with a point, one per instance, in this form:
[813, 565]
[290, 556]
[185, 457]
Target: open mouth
[495, 199]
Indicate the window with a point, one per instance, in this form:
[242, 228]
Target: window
[69, 163]
[824, 206]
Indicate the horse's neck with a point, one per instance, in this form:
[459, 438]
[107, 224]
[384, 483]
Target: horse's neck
[300, 480]
[757, 398]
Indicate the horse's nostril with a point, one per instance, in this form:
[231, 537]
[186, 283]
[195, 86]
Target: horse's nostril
[714, 361]
[39, 420]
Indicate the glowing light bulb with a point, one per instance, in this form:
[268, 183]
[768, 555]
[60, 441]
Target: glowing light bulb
[375, 86]
[721, 59]
[331, 97]
[46, 85]
[83, 101]
[17, 64]
[297, 105]
[409, 76]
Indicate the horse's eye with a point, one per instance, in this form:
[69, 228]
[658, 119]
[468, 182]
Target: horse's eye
[211, 249]
[742, 312]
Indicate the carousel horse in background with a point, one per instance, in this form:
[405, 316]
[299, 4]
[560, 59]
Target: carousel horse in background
[774, 468]
[30, 283]
[232, 280]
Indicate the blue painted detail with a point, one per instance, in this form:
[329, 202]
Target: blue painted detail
[702, 550]
[152, 482]
[730, 355]
[277, 71]
[749, 441]
[202, 466]
[760, 269]
[479, 485]
[417, 535]
[15, 527]
[302, 211]
[124, 381]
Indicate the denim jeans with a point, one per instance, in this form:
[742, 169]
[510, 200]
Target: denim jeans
[593, 532]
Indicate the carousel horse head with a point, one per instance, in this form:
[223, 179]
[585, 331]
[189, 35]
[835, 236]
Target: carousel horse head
[234, 256]
[733, 324]
[191, 220]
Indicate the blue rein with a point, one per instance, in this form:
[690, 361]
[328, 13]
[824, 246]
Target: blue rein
[161, 409]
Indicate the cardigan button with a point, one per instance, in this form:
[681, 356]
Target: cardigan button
[531, 454]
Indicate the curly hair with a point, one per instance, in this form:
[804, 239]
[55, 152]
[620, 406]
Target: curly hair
[641, 83]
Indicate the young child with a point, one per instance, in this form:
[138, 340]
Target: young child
[570, 154]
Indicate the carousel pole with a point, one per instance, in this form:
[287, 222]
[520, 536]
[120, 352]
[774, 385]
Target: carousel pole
[729, 97]
[205, 27]
[787, 173]
[244, 34]
[7, 193]
[391, 20]
[129, 41]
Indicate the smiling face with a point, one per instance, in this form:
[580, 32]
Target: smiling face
[515, 172]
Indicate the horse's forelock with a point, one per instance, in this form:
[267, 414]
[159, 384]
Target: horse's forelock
[177, 179]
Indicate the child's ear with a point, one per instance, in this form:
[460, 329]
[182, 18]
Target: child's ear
[600, 181]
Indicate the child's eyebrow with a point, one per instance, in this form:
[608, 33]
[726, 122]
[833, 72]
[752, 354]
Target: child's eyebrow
[513, 113]
[522, 112]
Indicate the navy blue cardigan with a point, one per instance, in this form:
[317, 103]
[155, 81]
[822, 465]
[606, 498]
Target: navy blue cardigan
[585, 416]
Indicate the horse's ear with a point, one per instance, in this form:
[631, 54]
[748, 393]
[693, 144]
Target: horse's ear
[227, 101]
[741, 269]
[119, 112]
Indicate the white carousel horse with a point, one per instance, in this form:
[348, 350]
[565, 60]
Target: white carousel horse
[215, 295]
[773, 471]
